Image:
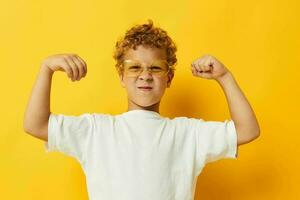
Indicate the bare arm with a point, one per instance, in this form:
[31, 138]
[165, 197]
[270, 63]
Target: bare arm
[38, 108]
[247, 127]
[240, 110]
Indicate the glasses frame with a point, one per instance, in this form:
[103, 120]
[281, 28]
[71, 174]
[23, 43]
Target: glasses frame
[147, 68]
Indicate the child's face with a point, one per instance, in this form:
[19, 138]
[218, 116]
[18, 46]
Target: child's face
[144, 57]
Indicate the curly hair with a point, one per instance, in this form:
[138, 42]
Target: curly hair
[148, 35]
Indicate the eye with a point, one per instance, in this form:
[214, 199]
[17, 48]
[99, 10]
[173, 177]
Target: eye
[156, 67]
[134, 67]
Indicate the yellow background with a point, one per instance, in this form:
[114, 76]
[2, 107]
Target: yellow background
[258, 41]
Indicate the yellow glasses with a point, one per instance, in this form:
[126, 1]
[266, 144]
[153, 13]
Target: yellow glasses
[133, 68]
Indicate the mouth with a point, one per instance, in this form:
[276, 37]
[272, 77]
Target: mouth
[145, 88]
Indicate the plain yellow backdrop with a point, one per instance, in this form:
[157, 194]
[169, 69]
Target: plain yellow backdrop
[258, 41]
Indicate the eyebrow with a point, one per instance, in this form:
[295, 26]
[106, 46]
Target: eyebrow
[130, 60]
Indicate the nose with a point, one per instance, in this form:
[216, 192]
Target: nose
[145, 74]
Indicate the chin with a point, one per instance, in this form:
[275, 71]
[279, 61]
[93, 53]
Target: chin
[145, 103]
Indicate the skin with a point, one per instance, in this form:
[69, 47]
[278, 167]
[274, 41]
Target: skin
[138, 99]
[243, 116]
[208, 67]
[38, 111]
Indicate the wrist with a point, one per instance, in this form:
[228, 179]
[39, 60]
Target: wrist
[227, 77]
[46, 69]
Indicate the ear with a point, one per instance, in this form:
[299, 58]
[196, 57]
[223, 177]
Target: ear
[170, 78]
[121, 76]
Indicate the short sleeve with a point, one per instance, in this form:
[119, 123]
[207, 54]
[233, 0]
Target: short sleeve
[215, 140]
[70, 134]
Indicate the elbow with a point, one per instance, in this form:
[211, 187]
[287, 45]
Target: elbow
[247, 135]
[258, 133]
[27, 125]
[33, 126]
[26, 128]
[255, 134]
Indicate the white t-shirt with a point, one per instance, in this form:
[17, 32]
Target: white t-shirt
[140, 154]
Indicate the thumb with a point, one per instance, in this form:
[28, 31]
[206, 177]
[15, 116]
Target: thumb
[206, 75]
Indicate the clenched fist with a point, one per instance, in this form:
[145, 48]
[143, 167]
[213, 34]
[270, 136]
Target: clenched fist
[208, 67]
[72, 64]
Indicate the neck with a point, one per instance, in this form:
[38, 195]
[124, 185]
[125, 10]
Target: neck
[134, 106]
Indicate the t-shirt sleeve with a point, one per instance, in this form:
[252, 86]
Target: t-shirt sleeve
[215, 140]
[70, 134]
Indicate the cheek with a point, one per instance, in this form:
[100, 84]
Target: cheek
[161, 86]
[131, 89]
[162, 83]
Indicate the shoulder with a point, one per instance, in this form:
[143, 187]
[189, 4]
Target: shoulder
[102, 117]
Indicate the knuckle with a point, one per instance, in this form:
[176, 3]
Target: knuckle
[63, 59]
[68, 56]
[65, 56]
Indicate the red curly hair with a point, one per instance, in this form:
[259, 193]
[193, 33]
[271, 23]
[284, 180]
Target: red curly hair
[148, 35]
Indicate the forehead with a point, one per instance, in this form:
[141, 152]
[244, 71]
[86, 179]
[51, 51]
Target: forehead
[145, 54]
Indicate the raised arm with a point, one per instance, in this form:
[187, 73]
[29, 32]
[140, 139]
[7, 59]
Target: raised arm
[38, 108]
[240, 110]
[247, 127]
[37, 112]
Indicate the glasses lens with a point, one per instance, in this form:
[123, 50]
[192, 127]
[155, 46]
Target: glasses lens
[133, 69]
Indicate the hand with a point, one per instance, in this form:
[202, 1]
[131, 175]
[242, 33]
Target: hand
[72, 64]
[208, 67]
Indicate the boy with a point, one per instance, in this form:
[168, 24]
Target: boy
[140, 155]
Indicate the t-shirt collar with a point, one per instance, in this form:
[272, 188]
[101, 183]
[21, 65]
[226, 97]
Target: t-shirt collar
[141, 112]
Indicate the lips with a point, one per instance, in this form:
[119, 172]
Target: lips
[145, 87]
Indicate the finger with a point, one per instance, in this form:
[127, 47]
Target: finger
[198, 73]
[197, 67]
[79, 67]
[208, 64]
[73, 67]
[206, 75]
[193, 70]
[203, 74]
[192, 65]
[83, 62]
[64, 64]
[202, 68]
[206, 68]
[202, 63]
